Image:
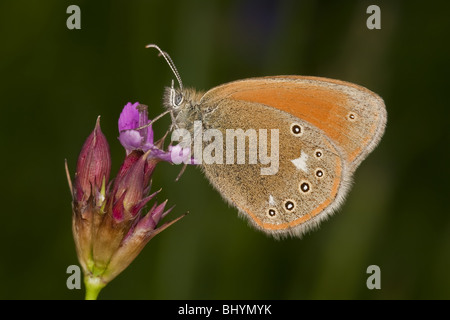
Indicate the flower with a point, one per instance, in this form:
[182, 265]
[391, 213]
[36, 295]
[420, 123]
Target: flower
[135, 116]
[136, 133]
[109, 223]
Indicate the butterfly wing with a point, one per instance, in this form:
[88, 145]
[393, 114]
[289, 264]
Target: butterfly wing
[319, 147]
[353, 117]
[303, 182]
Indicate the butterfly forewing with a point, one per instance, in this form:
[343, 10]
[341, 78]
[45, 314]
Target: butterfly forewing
[352, 116]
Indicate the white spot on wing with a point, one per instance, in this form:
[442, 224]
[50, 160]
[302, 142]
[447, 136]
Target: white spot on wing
[300, 163]
[271, 200]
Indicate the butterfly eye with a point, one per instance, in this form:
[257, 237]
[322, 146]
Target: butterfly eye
[178, 99]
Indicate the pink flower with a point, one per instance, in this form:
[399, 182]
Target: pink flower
[136, 134]
[110, 223]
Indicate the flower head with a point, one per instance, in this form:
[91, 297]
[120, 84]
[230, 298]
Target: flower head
[110, 224]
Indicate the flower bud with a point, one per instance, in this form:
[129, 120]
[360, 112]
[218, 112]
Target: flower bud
[94, 165]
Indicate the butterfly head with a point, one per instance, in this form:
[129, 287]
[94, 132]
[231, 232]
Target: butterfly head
[174, 98]
[183, 105]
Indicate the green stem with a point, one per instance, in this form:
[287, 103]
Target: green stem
[93, 287]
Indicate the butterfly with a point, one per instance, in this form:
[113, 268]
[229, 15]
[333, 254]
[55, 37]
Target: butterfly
[321, 129]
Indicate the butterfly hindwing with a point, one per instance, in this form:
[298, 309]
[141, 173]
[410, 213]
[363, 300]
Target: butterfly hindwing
[301, 184]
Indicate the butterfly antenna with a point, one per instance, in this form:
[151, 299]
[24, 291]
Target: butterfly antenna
[169, 62]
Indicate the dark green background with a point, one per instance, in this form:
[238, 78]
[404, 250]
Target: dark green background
[55, 82]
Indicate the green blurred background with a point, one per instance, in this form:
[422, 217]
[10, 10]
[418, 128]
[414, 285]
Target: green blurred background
[55, 82]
